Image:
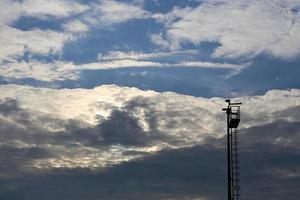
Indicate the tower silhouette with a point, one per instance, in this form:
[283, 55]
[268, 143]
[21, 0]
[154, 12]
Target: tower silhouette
[233, 169]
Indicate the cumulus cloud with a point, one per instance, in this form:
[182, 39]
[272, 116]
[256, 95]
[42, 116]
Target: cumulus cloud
[163, 142]
[114, 133]
[108, 125]
[241, 27]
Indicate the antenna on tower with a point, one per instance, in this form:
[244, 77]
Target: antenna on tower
[233, 169]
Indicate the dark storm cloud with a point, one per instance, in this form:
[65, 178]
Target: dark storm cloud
[8, 106]
[290, 113]
[269, 159]
[280, 133]
[173, 174]
[121, 128]
[269, 154]
[24, 137]
[19, 139]
[19, 124]
[193, 172]
[149, 114]
[17, 160]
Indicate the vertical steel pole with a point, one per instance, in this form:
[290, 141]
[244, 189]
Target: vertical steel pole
[228, 156]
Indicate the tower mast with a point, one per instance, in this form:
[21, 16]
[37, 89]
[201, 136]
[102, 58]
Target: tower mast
[233, 179]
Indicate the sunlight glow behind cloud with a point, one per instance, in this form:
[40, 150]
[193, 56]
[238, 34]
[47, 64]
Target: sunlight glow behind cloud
[154, 121]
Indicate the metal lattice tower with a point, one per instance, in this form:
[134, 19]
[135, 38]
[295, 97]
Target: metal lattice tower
[233, 169]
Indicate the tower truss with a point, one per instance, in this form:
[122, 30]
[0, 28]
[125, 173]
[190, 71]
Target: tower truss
[233, 168]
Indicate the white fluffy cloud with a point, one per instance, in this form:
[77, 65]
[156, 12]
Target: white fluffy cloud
[243, 28]
[174, 120]
[117, 12]
[15, 42]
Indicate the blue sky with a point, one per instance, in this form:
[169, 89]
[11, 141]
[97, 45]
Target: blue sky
[158, 33]
[74, 73]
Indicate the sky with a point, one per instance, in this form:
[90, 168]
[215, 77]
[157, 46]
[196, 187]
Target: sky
[122, 99]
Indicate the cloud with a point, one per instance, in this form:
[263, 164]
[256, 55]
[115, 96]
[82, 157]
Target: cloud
[275, 34]
[164, 144]
[46, 8]
[43, 71]
[241, 27]
[122, 128]
[60, 70]
[78, 18]
[174, 15]
[189, 173]
[15, 42]
[109, 125]
[21, 46]
[126, 11]
[133, 55]
[158, 40]
[76, 26]
[120, 59]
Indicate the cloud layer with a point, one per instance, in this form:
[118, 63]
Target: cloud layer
[241, 30]
[241, 27]
[59, 70]
[96, 128]
[165, 144]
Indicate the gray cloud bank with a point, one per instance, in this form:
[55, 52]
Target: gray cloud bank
[124, 143]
